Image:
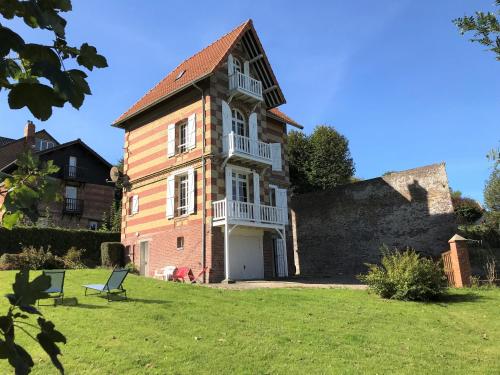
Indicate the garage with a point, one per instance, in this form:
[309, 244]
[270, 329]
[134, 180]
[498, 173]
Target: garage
[246, 259]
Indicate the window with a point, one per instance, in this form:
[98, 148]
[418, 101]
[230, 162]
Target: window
[238, 123]
[272, 196]
[93, 225]
[240, 187]
[236, 66]
[43, 144]
[182, 146]
[181, 193]
[182, 188]
[180, 243]
[133, 205]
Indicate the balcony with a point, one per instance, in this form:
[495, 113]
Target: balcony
[72, 206]
[246, 150]
[245, 88]
[73, 173]
[251, 214]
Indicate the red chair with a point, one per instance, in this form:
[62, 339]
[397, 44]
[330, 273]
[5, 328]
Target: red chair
[181, 273]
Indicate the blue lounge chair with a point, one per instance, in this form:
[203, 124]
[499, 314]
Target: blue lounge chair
[112, 286]
[56, 289]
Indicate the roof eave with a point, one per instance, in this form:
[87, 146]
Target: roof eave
[294, 124]
[118, 123]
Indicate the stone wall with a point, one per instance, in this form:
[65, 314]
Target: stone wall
[336, 232]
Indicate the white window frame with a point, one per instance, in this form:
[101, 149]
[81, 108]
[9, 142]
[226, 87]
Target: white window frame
[133, 202]
[236, 179]
[43, 144]
[183, 132]
[237, 67]
[237, 123]
[183, 194]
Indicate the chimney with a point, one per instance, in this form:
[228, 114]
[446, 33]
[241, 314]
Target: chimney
[29, 131]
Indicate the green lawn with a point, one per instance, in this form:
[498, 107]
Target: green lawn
[183, 329]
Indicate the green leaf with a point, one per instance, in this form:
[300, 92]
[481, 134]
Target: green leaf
[10, 219]
[9, 40]
[89, 57]
[37, 97]
[9, 68]
[36, 53]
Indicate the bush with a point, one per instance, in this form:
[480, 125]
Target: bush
[405, 276]
[31, 258]
[73, 259]
[112, 254]
[132, 268]
[58, 239]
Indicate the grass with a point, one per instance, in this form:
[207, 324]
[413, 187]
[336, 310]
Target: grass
[184, 329]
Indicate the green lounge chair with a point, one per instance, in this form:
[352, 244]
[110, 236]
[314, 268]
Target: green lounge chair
[56, 289]
[112, 286]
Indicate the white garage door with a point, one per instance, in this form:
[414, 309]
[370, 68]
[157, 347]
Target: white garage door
[246, 259]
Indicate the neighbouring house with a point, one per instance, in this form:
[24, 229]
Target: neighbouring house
[86, 195]
[206, 166]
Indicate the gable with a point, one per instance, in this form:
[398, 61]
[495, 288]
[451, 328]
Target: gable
[204, 64]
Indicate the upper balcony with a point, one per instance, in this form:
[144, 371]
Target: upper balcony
[247, 150]
[245, 213]
[73, 173]
[72, 206]
[245, 88]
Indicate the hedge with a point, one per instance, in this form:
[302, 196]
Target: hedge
[112, 254]
[59, 240]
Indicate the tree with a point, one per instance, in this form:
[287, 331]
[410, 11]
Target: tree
[492, 190]
[28, 186]
[486, 28]
[466, 209]
[35, 74]
[319, 161]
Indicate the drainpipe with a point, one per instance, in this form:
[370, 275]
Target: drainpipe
[203, 184]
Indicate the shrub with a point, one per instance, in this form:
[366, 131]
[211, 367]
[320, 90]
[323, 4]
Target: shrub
[31, 258]
[73, 259]
[132, 268]
[58, 239]
[112, 254]
[405, 276]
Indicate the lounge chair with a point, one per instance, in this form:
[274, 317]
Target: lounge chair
[112, 286]
[56, 289]
[195, 279]
[165, 273]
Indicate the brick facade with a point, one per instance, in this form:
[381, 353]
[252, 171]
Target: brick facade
[148, 166]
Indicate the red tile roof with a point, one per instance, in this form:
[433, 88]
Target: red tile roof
[281, 116]
[196, 67]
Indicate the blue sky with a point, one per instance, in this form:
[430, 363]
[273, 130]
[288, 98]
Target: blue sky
[395, 77]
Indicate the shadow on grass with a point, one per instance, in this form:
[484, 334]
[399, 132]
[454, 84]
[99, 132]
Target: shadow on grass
[73, 302]
[460, 298]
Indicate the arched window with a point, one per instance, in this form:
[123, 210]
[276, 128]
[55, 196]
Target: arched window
[239, 124]
[236, 66]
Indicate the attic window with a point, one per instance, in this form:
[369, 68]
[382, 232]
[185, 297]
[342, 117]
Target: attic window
[181, 73]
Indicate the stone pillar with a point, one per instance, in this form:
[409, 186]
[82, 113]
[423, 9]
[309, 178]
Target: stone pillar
[460, 261]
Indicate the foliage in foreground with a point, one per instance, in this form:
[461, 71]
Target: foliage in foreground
[22, 301]
[485, 27]
[406, 276]
[36, 74]
[29, 185]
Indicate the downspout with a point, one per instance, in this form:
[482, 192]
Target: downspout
[203, 184]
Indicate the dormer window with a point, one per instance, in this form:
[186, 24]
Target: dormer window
[43, 144]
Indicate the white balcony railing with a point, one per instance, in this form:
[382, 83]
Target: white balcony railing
[246, 84]
[248, 212]
[237, 144]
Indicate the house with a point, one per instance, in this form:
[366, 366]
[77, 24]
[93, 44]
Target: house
[83, 174]
[206, 166]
